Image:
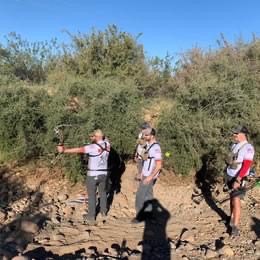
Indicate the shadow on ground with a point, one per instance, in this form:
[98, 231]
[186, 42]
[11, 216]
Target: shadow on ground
[122, 252]
[206, 181]
[155, 243]
[256, 226]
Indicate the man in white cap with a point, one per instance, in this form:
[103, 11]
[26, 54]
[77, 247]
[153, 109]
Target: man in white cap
[152, 164]
[97, 152]
[242, 155]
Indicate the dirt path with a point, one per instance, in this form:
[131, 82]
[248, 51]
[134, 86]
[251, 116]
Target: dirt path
[179, 229]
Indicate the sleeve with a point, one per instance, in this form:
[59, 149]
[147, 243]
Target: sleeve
[247, 160]
[249, 153]
[245, 167]
[246, 153]
[156, 153]
[90, 148]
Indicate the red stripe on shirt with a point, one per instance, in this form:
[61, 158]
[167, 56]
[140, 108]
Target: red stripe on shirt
[245, 167]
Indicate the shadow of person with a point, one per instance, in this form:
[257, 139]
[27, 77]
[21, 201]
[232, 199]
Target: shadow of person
[116, 168]
[256, 226]
[155, 242]
[206, 179]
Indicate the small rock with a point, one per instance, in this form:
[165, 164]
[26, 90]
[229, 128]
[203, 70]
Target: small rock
[226, 251]
[257, 244]
[29, 226]
[188, 236]
[68, 211]
[70, 230]
[56, 220]
[11, 214]
[56, 243]
[211, 254]
[2, 216]
[139, 248]
[257, 252]
[113, 252]
[58, 236]
[173, 246]
[62, 197]
[188, 247]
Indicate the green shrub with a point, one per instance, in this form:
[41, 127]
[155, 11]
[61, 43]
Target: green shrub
[22, 122]
[219, 91]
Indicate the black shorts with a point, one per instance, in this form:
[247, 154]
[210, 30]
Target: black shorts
[229, 181]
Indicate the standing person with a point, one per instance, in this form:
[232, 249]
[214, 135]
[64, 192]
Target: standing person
[140, 148]
[98, 152]
[152, 164]
[242, 154]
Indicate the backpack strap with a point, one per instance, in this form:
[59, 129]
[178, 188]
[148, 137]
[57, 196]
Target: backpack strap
[147, 151]
[150, 157]
[102, 149]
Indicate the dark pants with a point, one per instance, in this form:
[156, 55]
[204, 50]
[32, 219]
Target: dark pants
[94, 182]
[144, 193]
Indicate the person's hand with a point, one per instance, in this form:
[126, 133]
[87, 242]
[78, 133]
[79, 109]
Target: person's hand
[236, 184]
[138, 177]
[60, 148]
[147, 180]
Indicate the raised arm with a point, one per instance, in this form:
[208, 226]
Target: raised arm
[62, 149]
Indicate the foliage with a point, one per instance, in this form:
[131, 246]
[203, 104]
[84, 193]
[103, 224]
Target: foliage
[29, 116]
[103, 80]
[106, 53]
[22, 122]
[216, 91]
[24, 60]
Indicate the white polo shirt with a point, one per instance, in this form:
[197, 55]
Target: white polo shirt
[244, 151]
[98, 156]
[154, 154]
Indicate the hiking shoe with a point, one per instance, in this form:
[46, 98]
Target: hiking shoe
[135, 221]
[235, 231]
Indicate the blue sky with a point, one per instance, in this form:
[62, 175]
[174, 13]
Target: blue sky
[167, 25]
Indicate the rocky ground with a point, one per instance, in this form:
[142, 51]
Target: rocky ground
[40, 219]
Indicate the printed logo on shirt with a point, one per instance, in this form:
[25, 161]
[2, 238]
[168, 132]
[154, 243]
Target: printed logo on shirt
[250, 150]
